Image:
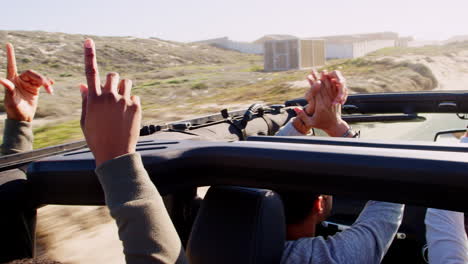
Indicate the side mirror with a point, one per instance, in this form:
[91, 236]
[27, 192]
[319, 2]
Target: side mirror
[449, 136]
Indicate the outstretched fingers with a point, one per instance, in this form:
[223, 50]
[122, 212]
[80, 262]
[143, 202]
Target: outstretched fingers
[112, 81]
[327, 87]
[125, 87]
[9, 86]
[11, 62]
[136, 100]
[91, 68]
[341, 89]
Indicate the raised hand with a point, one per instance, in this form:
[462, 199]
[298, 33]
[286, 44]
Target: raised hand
[327, 114]
[22, 91]
[325, 97]
[110, 117]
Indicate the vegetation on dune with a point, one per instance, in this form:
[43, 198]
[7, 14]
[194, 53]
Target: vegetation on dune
[177, 80]
[368, 74]
[449, 50]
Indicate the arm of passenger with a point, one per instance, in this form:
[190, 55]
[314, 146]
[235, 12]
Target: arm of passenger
[145, 228]
[17, 137]
[446, 237]
[369, 238]
[366, 241]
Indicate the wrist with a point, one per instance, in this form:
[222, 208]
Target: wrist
[18, 117]
[104, 157]
[339, 129]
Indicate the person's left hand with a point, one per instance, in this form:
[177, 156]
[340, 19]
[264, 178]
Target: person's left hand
[22, 91]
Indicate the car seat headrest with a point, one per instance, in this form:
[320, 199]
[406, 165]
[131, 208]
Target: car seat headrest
[238, 225]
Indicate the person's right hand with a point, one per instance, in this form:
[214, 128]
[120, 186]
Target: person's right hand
[110, 117]
[22, 91]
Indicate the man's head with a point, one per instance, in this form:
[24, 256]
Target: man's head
[304, 210]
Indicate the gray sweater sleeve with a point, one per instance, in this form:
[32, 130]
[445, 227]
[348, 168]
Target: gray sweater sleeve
[17, 137]
[366, 241]
[145, 228]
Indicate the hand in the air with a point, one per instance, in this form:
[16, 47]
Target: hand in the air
[110, 117]
[324, 98]
[22, 91]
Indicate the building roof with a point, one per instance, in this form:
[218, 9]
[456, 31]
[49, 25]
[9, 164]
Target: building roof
[211, 41]
[362, 37]
[274, 37]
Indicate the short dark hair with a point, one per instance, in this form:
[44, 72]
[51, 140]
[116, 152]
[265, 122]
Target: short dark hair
[297, 205]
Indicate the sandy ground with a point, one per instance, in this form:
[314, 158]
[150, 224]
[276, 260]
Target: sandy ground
[451, 72]
[78, 234]
[88, 234]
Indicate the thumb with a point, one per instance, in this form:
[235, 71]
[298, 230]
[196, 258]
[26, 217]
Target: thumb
[303, 117]
[9, 86]
[84, 104]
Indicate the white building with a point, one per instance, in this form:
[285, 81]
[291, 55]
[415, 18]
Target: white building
[354, 49]
[354, 46]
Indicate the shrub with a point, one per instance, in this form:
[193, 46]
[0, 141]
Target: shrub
[256, 68]
[199, 86]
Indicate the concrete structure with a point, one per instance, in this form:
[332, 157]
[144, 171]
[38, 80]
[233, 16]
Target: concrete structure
[354, 46]
[282, 55]
[226, 43]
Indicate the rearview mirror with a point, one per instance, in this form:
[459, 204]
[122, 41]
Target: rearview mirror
[449, 136]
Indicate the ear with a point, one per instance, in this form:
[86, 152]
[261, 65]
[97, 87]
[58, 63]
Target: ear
[319, 205]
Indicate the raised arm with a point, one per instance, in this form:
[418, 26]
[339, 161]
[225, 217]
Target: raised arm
[18, 219]
[110, 122]
[21, 98]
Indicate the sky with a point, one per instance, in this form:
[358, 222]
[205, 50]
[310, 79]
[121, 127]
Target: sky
[242, 20]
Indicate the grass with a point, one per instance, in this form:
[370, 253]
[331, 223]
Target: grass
[177, 81]
[255, 68]
[50, 135]
[199, 86]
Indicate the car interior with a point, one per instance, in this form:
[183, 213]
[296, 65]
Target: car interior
[241, 217]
